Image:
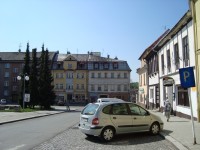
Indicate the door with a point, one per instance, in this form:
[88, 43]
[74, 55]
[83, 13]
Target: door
[121, 118]
[141, 118]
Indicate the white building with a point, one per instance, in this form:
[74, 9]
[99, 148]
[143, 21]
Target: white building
[176, 50]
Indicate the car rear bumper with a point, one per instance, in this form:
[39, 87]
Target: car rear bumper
[92, 130]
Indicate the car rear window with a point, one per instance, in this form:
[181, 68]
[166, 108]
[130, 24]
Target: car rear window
[90, 109]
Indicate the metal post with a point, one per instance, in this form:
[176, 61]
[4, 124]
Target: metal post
[24, 92]
[192, 119]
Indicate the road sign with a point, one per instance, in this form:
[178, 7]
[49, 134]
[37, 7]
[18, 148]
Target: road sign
[27, 98]
[187, 77]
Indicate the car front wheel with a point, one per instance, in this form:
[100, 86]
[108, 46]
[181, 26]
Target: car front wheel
[107, 134]
[155, 128]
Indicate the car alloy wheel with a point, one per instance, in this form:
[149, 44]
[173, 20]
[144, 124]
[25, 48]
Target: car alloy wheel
[155, 128]
[107, 134]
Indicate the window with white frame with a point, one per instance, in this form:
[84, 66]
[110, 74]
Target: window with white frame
[151, 93]
[125, 75]
[118, 75]
[105, 75]
[185, 51]
[168, 61]
[162, 64]
[92, 75]
[82, 87]
[99, 75]
[125, 87]
[176, 56]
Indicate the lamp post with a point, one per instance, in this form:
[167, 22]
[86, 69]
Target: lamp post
[25, 78]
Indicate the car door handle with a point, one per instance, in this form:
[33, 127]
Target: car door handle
[114, 118]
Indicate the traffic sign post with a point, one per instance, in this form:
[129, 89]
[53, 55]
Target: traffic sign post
[187, 81]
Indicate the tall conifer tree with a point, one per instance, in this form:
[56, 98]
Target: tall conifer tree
[34, 99]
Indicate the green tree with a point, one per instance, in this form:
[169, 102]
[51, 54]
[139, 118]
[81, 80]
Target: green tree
[33, 84]
[134, 85]
[47, 94]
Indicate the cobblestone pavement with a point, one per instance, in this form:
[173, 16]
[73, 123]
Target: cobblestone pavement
[73, 139]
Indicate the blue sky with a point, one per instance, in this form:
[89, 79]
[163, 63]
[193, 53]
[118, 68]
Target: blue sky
[122, 28]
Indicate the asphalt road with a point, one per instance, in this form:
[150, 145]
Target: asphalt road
[27, 134]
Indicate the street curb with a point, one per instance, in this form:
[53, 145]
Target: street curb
[6, 122]
[173, 141]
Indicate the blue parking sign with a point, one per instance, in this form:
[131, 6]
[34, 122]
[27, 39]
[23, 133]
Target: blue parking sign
[187, 77]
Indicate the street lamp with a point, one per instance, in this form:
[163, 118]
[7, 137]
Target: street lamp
[25, 78]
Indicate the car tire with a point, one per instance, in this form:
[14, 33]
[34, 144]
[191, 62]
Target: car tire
[155, 128]
[107, 134]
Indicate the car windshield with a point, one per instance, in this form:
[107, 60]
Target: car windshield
[90, 109]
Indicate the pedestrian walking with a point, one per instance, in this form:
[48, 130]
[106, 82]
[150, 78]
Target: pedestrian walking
[67, 105]
[167, 109]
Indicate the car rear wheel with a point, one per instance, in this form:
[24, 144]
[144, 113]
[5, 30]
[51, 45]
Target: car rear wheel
[155, 128]
[107, 134]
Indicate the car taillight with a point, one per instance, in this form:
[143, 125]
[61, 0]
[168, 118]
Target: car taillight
[95, 121]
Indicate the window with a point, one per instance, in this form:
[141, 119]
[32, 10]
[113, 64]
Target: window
[119, 109]
[58, 66]
[112, 75]
[185, 51]
[105, 75]
[106, 110]
[6, 83]
[115, 65]
[69, 66]
[77, 87]
[176, 56]
[61, 86]
[99, 75]
[125, 75]
[168, 61]
[105, 87]
[183, 97]
[162, 64]
[105, 65]
[137, 110]
[96, 65]
[99, 87]
[93, 75]
[7, 65]
[82, 86]
[15, 79]
[15, 70]
[118, 75]
[151, 93]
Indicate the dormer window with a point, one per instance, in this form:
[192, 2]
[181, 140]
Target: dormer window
[115, 65]
[105, 65]
[96, 65]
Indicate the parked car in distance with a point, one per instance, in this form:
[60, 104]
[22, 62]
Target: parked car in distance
[3, 101]
[100, 100]
[105, 120]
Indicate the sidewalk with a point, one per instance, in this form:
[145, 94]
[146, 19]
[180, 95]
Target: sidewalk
[179, 132]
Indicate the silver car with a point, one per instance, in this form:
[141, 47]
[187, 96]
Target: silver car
[107, 119]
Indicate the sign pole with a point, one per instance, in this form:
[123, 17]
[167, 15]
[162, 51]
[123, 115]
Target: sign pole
[192, 119]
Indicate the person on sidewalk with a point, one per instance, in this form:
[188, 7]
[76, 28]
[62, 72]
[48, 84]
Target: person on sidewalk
[67, 105]
[167, 109]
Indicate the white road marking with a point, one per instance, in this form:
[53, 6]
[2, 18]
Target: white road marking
[17, 147]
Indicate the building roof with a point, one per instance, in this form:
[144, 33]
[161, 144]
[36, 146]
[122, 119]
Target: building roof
[19, 56]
